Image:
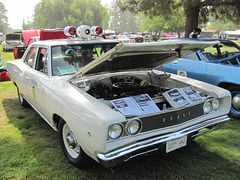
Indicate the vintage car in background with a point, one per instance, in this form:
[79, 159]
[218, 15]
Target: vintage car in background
[150, 37]
[30, 36]
[108, 103]
[135, 38]
[218, 65]
[11, 40]
[122, 38]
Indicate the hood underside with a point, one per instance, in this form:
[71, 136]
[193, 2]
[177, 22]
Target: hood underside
[136, 56]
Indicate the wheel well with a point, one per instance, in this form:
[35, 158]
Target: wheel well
[227, 85]
[56, 119]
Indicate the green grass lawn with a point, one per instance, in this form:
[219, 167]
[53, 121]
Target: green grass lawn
[30, 149]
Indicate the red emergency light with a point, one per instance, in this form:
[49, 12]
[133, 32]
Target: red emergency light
[96, 30]
[70, 30]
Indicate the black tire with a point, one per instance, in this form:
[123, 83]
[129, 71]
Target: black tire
[21, 99]
[73, 151]
[235, 105]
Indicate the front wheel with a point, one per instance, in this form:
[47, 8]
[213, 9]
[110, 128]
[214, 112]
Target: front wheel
[235, 106]
[71, 148]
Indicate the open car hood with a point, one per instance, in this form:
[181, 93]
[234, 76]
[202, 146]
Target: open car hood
[136, 56]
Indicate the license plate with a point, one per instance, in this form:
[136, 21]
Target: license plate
[176, 144]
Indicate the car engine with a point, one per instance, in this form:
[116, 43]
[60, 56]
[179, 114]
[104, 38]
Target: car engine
[123, 86]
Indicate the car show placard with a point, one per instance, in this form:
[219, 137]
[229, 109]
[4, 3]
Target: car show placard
[136, 105]
[179, 97]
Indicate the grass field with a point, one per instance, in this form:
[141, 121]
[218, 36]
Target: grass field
[30, 149]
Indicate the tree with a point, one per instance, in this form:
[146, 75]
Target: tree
[3, 18]
[123, 21]
[195, 10]
[61, 13]
[159, 23]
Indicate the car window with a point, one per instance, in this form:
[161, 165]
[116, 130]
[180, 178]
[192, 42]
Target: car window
[29, 60]
[67, 59]
[41, 62]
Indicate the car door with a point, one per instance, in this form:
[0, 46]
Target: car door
[190, 66]
[28, 70]
[38, 81]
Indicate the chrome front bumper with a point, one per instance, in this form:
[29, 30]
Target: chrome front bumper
[125, 153]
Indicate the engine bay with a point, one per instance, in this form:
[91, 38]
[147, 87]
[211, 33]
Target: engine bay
[123, 86]
[107, 89]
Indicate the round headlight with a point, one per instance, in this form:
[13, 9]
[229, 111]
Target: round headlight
[115, 131]
[207, 107]
[216, 104]
[133, 127]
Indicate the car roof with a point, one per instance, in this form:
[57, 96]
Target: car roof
[71, 41]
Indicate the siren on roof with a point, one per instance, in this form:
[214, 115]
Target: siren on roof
[83, 31]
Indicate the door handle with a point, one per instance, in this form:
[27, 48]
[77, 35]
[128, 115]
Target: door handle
[175, 62]
[15, 70]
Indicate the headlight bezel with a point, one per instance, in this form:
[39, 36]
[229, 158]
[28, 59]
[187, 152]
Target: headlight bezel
[213, 105]
[214, 102]
[129, 123]
[209, 104]
[110, 128]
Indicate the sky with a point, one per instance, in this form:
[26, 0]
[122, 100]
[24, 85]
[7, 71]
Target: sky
[23, 9]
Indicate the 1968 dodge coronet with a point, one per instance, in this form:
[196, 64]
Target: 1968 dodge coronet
[108, 104]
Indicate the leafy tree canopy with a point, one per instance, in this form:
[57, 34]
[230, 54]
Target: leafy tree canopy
[61, 13]
[195, 10]
[159, 23]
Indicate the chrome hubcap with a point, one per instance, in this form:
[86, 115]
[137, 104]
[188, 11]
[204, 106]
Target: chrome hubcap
[236, 101]
[71, 141]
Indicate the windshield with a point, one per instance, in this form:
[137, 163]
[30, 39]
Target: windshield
[220, 51]
[67, 59]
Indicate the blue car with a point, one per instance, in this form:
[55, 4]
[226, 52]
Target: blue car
[218, 65]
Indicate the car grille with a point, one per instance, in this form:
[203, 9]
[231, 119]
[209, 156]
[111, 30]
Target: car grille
[171, 118]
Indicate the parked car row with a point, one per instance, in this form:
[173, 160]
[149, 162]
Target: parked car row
[108, 103]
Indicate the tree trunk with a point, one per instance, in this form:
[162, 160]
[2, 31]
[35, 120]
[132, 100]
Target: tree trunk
[192, 14]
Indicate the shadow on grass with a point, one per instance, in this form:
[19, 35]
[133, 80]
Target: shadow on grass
[45, 160]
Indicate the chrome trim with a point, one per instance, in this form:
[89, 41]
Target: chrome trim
[124, 153]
